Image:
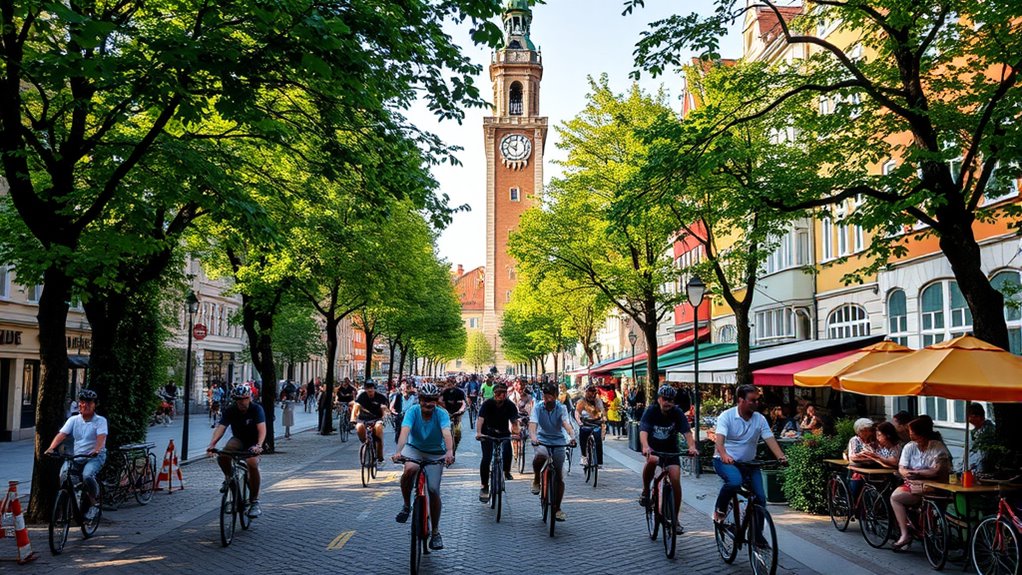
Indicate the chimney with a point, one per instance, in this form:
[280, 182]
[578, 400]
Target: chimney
[461, 270]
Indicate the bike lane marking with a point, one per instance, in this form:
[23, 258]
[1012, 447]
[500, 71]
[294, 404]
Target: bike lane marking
[338, 543]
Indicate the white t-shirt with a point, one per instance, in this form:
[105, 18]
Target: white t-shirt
[85, 432]
[936, 456]
[740, 436]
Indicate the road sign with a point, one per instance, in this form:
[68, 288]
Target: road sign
[199, 331]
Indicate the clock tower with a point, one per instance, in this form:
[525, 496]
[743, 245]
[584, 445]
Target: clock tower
[514, 137]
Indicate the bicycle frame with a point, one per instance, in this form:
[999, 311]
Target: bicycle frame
[421, 525]
[548, 485]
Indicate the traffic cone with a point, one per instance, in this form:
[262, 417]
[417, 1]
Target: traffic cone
[168, 472]
[165, 469]
[12, 506]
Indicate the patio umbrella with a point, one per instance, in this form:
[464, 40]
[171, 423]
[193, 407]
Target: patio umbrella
[962, 368]
[829, 373]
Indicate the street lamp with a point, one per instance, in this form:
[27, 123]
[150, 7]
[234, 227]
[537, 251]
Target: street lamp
[696, 289]
[631, 339]
[193, 306]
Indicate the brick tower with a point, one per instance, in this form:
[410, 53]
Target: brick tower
[514, 136]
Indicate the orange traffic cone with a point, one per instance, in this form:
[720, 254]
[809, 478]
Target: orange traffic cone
[11, 506]
[167, 471]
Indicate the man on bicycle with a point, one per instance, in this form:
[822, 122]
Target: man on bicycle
[89, 432]
[370, 406]
[472, 390]
[548, 424]
[216, 398]
[247, 421]
[455, 402]
[739, 430]
[486, 389]
[590, 413]
[425, 436]
[498, 417]
[658, 431]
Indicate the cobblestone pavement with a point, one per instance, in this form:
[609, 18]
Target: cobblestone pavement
[318, 518]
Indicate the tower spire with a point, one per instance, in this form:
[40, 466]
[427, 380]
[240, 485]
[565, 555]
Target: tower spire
[517, 25]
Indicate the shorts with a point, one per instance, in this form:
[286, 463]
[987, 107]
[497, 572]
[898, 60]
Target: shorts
[433, 472]
[558, 456]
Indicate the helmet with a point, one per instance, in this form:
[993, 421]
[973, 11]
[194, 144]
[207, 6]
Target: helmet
[369, 384]
[429, 390]
[87, 395]
[667, 392]
[241, 392]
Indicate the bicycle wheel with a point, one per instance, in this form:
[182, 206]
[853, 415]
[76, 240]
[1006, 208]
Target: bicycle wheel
[544, 502]
[587, 452]
[593, 463]
[551, 486]
[496, 490]
[567, 459]
[89, 527]
[521, 457]
[762, 545]
[415, 555]
[667, 510]
[60, 522]
[242, 504]
[363, 453]
[995, 548]
[342, 427]
[726, 531]
[935, 534]
[146, 481]
[652, 518]
[228, 518]
[876, 517]
[838, 503]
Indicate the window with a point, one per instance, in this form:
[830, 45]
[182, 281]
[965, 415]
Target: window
[827, 239]
[848, 321]
[515, 99]
[34, 293]
[1008, 281]
[932, 309]
[5, 281]
[944, 315]
[727, 334]
[775, 324]
[842, 240]
[802, 252]
[516, 195]
[960, 315]
[473, 322]
[507, 296]
[860, 238]
[825, 106]
[1001, 185]
[897, 317]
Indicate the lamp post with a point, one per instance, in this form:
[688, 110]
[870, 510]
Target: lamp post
[695, 290]
[193, 306]
[631, 340]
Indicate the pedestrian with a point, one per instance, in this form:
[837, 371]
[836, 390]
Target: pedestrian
[310, 395]
[288, 407]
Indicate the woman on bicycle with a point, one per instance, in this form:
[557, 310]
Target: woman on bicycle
[925, 457]
[89, 432]
[589, 414]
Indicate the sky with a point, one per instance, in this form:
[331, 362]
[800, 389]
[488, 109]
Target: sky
[578, 38]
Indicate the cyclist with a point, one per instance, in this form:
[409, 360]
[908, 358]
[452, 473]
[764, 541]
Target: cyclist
[89, 432]
[455, 402]
[521, 397]
[486, 389]
[472, 389]
[247, 421]
[346, 392]
[426, 436]
[548, 424]
[370, 406]
[590, 413]
[216, 398]
[496, 417]
[658, 431]
[739, 430]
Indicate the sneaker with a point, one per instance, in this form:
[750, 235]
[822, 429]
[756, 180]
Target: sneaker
[402, 516]
[508, 476]
[678, 529]
[583, 460]
[91, 514]
[535, 487]
[560, 516]
[223, 487]
[718, 517]
[644, 500]
[436, 542]
[254, 510]
[484, 494]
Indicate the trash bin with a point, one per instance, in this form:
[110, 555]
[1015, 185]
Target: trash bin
[633, 436]
[773, 480]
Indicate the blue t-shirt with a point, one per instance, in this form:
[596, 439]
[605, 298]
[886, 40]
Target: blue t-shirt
[427, 436]
[550, 422]
[243, 425]
[663, 428]
[472, 388]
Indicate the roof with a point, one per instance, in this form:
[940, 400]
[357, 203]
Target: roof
[768, 24]
[471, 289]
[522, 5]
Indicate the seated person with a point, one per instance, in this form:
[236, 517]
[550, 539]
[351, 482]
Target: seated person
[925, 458]
[782, 424]
[810, 423]
[861, 444]
[887, 451]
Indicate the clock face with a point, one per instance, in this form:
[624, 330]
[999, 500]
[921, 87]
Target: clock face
[515, 147]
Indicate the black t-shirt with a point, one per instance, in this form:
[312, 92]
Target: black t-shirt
[345, 393]
[371, 408]
[452, 399]
[243, 424]
[497, 418]
[663, 428]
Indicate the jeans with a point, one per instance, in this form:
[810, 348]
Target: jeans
[597, 432]
[484, 463]
[90, 469]
[733, 477]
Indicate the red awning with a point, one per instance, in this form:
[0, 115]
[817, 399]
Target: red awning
[640, 357]
[782, 375]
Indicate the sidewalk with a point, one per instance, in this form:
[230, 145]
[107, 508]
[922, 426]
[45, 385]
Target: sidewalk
[809, 539]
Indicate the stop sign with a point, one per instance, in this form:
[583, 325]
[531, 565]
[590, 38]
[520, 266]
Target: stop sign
[199, 331]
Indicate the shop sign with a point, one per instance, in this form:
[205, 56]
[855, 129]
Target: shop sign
[79, 342]
[10, 337]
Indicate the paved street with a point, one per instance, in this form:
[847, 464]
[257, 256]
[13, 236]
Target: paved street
[317, 518]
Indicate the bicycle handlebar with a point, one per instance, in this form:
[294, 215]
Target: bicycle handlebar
[419, 462]
[550, 445]
[70, 457]
[492, 438]
[235, 454]
[761, 463]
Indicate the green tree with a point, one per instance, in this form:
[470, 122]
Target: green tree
[479, 352]
[296, 335]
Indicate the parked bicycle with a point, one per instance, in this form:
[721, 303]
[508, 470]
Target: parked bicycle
[421, 523]
[549, 483]
[131, 472]
[496, 473]
[871, 508]
[996, 541]
[72, 503]
[751, 526]
[234, 501]
[660, 511]
[367, 454]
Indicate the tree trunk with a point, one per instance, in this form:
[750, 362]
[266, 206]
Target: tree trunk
[370, 339]
[258, 326]
[649, 329]
[331, 354]
[401, 364]
[743, 375]
[390, 366]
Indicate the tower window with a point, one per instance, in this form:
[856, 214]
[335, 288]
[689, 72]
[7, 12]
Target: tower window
[515, 100]
[516, 194]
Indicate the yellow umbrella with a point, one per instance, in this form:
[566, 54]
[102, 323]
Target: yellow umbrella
[829, 373]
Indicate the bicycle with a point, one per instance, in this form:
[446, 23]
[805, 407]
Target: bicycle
[660, 511]
[518, 446]
[234, 501]
[131, 472]
[473, 411]
[214, 413]
[367, 453]
[754, 528]
[72, 502]
[995, 544]
[591, 467]
[496, 472]
[547, 485]
[343, 422]
[871, 507]
[420, 513]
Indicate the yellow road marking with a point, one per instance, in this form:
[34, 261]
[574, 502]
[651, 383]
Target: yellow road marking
[339, 541]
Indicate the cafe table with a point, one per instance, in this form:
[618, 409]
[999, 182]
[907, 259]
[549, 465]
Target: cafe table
[967, 495]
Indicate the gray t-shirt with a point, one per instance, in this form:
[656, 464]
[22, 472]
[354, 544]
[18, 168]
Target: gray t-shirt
[85, 432]
[740, 436]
